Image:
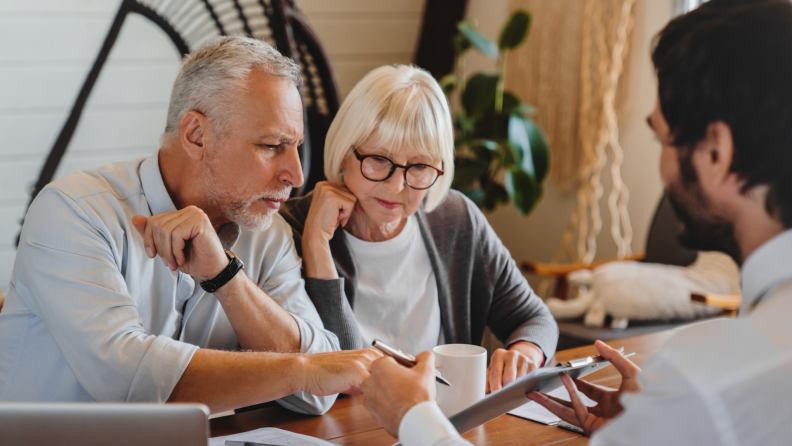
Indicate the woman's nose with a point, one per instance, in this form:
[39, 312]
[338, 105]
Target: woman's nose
[396, 182]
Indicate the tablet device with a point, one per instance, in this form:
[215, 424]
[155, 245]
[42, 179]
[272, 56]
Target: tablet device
[513, 396]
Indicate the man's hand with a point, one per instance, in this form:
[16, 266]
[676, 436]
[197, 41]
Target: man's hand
[332, 206]
[393, 389]
[508, 365]
[337, 372]
[185, 240]
[608, 401]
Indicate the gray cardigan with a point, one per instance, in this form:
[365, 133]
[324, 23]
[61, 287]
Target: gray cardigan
[478, 283]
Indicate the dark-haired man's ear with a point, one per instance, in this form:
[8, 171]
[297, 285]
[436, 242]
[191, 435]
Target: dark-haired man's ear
[714, 158]
[192, 134]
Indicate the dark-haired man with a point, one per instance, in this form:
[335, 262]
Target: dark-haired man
[724, 118]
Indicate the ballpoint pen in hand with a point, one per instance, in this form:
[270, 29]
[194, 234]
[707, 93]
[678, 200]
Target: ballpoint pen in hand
[404, 359]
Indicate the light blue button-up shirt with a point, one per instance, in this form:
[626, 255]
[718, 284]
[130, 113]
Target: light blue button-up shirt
[89, 317]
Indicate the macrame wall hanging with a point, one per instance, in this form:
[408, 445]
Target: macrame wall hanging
[573, 69]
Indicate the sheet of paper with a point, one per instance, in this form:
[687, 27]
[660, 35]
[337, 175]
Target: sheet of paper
[534, 412]
[271, 435]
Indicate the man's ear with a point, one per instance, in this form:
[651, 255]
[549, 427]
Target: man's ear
[715, 156]
[192, 134]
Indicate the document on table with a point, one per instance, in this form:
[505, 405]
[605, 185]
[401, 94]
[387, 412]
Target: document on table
[534, 412]
[271, 435]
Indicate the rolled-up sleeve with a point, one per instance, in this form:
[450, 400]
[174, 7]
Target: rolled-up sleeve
[75, 285]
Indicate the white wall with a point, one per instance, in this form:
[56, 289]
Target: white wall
[49, 47]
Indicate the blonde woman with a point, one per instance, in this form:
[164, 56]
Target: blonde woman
[390, 252]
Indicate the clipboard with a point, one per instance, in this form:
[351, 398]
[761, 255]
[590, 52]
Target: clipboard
[513, 395]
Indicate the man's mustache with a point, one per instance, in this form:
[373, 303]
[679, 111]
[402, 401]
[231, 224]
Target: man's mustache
[282, 194]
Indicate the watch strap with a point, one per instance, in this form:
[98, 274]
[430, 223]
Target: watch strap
[225, 276]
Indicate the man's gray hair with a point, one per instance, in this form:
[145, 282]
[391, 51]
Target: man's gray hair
[211, 77]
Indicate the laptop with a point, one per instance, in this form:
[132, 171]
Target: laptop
[86, 424]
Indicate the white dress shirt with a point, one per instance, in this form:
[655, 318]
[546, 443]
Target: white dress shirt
[717, 382]
[89, 317]
[723, 381]
[397, 291]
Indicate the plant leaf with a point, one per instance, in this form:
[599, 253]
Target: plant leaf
[510, 102]
[461, 44]
[523, 189]
[448, 83]
[481, 43]
[463, 124]
[467, 171]
[477, 142]
[515, 30]
[531, 142]
[494, 194]
[479, 94]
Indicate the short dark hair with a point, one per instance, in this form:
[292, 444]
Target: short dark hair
[731, 61]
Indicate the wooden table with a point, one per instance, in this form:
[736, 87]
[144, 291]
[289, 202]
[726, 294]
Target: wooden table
[349, 423]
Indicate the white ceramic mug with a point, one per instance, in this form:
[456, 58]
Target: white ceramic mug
[465, 367]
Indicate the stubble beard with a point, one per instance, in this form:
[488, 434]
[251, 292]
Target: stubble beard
[237, 206]
[703, 229]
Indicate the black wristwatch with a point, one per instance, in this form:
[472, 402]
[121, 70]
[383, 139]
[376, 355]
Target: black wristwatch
[225, 276]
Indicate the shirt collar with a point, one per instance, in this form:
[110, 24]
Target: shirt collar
[766, 268]
[159, 200]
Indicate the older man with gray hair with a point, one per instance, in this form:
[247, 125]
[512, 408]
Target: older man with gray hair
[92, 315]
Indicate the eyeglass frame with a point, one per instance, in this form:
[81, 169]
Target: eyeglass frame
[394, 166]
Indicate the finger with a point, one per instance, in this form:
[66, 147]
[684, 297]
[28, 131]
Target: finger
[581, 411]
[627, 368]
[592, 391]
[345, 212]
[179, 236]
[495, 372]
[139, 222]
[425, 363]
[180, 230]
[161, 245]
[510, 369]
[148, 239]
[523, 365]
[565, 413]
[164, 236]
[560, 401]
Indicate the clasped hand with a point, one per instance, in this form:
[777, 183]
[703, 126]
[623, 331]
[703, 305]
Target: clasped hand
[185, 240]
[608, 401]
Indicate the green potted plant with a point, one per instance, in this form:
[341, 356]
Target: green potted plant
[501, 153]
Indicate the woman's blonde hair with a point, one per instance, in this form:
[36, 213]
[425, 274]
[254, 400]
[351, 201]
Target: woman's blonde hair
[393, 107]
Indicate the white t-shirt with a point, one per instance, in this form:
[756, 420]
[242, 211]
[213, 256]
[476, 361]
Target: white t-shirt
[397, 292]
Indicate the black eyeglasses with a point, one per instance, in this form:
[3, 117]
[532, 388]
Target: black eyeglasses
[378, 168]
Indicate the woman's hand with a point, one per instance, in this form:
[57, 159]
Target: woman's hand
[508, 365]
[332, 206]
[608, 401]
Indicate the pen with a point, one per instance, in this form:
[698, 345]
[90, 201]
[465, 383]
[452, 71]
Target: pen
[570, 427]
[404, 359]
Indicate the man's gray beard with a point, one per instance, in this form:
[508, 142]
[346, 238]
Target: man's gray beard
[238, 211]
